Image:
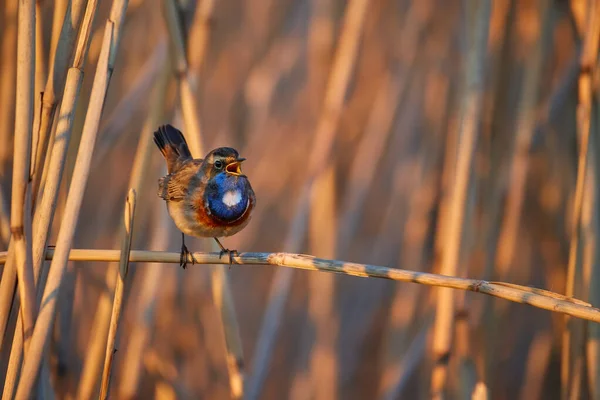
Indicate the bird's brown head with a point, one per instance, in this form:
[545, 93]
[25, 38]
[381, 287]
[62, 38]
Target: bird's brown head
[223, 159]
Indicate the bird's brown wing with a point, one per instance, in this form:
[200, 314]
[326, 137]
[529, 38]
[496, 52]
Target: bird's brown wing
[175, 186]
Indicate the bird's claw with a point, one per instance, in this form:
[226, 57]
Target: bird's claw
[231, 254]
[183, 256]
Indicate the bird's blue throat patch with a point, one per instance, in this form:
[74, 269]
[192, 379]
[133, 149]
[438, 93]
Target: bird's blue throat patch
[227, 196]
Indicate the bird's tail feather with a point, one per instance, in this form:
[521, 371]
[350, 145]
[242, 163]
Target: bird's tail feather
[172, 145]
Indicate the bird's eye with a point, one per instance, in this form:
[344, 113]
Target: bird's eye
[219, 164]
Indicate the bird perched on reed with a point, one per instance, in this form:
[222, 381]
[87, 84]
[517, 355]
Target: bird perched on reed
[207, 197]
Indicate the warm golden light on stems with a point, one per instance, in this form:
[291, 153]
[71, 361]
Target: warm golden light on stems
[118, 299]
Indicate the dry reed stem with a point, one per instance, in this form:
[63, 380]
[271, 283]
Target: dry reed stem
[198, 36]
[17, 351]
[64, 31]
[537, 364]
[223, 299]
[118, 301]
[8, 286]
[370, 147]
[189, 107]
[408, 364]
[578, 13]
[591, 257]
[141, 335]
[337, 85]
[572, 353]
[324, 368]
[4, 219]
[113, 125]
[535, 297]
[478, 17]
[524, 133]
[14, 365]
[7, 85]
[81, 172]
[93, 362]
[45, 210]
[21, 200]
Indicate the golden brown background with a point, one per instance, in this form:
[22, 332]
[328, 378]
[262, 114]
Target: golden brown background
[268, 77]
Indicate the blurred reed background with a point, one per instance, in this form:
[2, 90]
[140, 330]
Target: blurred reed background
[455, 137]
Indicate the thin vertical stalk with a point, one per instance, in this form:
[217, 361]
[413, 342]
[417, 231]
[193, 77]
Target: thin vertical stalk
[526, 120]
[75, 198]
[572, 349]
[592, 257]
[146, 308]
[7, 85]
[478, 17]
[223, 300]
[21, 200]
[188, 99]
[118, 301]
[337, 85]
[324, 369]
[199, 35]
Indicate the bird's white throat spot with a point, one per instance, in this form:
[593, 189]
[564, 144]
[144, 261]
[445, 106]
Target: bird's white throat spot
[232, 198]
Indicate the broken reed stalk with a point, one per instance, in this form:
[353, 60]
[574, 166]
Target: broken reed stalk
[572, 335]
[478, 20]
[43, 325]
[335, 92]
[21, 196]
[118, 300]
[535, 297]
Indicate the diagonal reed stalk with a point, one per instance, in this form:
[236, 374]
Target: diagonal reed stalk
[118, 301]
[45, 210]
[534, 297]
[478, 17]
[337, 85]
[72, 16]
[64, 33]
[94, 360]
[67, 230]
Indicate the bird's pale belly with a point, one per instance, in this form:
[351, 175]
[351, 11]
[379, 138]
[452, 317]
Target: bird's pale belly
[186, 220]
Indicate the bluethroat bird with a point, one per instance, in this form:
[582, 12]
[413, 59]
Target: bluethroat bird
[207, 197]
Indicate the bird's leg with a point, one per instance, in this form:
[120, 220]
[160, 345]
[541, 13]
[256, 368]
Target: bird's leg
[224, 250]
[183, 256]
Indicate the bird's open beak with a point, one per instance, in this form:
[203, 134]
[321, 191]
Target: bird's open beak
[235, 168]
